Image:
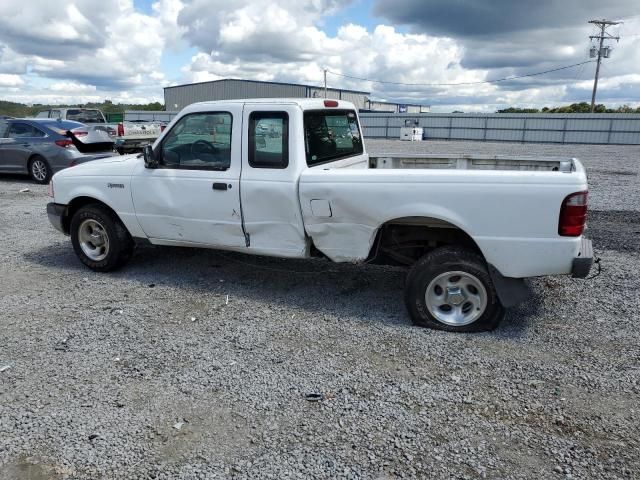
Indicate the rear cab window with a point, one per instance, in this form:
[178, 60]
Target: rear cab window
[84, 115]
[331, 135]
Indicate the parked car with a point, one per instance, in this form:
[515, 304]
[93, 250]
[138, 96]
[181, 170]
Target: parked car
[92, 117]
[469, 228]
[41, 147]
[133, 136]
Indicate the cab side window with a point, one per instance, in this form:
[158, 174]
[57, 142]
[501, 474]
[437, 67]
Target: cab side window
[269, 140]
[199, 141]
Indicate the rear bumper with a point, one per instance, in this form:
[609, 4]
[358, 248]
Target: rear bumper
[126, 144]
[57, 214]
[583, 262]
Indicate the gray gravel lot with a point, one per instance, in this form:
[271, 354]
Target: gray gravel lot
[150, 372]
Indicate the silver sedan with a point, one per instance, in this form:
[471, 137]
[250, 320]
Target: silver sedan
[41, 147]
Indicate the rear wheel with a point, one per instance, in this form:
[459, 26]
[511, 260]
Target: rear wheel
[39, 170]
[450, 289]
[99, 238]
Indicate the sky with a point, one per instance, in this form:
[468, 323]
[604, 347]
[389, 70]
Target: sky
[128, 50]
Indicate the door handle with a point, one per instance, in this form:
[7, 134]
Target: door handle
[221, 186]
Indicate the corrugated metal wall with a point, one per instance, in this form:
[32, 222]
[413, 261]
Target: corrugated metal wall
[620, 128]
[148, 116]
[176, 98]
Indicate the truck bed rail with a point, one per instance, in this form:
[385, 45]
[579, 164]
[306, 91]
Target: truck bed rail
[471, 162]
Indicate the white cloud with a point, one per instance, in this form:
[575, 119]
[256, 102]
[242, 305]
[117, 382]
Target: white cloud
[80, 52]
[72, 87]
[82, 49]
[10, 80]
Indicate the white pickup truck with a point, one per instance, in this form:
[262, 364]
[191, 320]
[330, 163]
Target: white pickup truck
[134, 136]
[291, 178]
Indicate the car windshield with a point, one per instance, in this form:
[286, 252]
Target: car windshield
[330, 135]
[85, 116]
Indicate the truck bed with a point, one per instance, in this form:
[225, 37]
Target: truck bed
[471, 162]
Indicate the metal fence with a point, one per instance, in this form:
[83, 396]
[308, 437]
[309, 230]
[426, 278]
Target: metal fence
[620, 128]
[148, 116]
[603, 128]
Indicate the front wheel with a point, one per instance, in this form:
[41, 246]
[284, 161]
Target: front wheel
[450, 289]
[99, 238]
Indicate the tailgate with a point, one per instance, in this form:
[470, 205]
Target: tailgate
[141, 131]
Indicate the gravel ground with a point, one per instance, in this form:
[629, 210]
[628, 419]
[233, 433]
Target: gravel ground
[196, 364]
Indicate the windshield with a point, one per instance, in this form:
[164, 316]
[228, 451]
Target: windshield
[330, 135]
[85, 116]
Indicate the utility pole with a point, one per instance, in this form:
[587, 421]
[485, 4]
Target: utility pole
[603, 25]
[325, 83]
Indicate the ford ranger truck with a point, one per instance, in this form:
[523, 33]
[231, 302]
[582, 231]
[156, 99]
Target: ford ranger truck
[291, 178]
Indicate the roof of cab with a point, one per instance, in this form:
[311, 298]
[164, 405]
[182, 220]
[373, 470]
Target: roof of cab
[303, 103]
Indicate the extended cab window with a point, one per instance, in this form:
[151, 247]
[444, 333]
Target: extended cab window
[269, 140]
[331, 135]
[199, 141]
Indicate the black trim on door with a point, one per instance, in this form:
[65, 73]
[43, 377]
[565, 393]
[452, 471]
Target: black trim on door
[259, 115]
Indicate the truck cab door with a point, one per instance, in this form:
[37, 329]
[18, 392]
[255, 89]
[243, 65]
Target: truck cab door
[273, 149]
[193, 197]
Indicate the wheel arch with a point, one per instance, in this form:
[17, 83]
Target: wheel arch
[81, 201]
[420, 234]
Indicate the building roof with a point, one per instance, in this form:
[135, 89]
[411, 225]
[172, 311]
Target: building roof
[267, 83]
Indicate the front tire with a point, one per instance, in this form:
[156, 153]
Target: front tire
[39, 170]
[99, 238]
[450, 289]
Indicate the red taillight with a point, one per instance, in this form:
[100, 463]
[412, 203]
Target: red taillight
[50, 192]
[330, 103]
[79, 133]
[64, 143]
[120, 130]
[573, 215]
[162, 127]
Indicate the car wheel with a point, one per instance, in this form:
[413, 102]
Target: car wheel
[99, 238]
[450, 289]
[39, 170]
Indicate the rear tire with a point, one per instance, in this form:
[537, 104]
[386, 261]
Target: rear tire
[39, 170]
[450, 289]
[99, 238]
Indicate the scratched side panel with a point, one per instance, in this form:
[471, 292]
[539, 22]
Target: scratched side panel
[512, 216]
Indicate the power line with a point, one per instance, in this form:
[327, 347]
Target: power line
[460, 83]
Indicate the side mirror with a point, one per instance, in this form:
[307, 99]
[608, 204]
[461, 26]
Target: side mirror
[150, 160]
